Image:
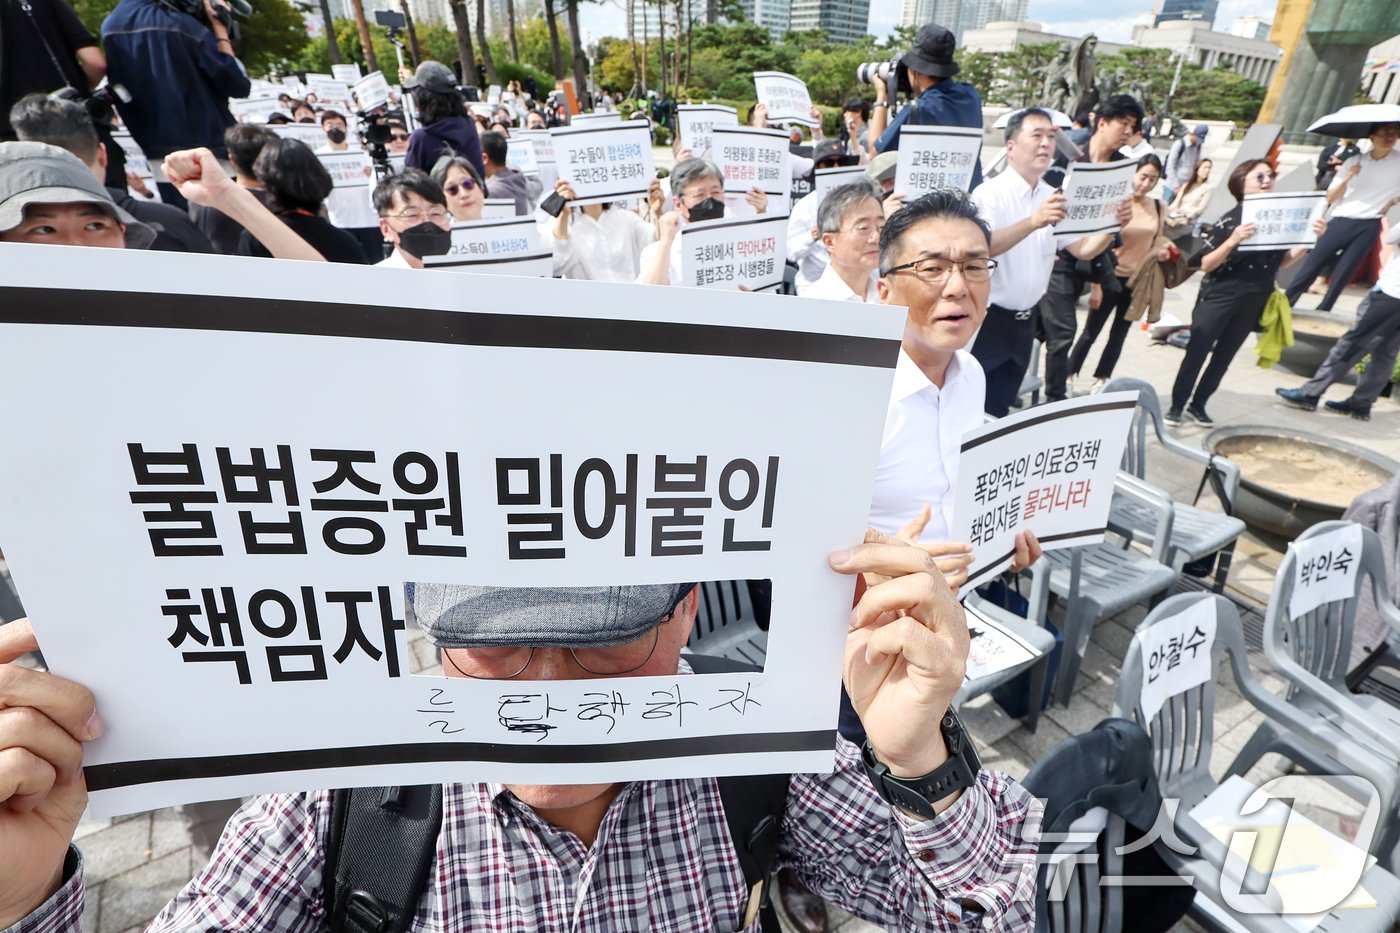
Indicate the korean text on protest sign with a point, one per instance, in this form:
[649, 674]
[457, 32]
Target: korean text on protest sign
[349, 205]
[695, 121]
[596, 119]
[828, 178]
[371, 91]
[785, 96]
[1325, 567]
[729, 253]
[309, 134]
[604, 163]
[751, 157]
[1093, 191]
[936, 157]
[328, 91]
[251, 538]
[505, 247]
[1283, 220]
[349, 73]
[1050, 469]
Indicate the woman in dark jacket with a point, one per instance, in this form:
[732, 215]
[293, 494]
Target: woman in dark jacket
[297, 184]
[1236, 288]
[446, 128]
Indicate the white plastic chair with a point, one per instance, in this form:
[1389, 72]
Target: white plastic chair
[1033, 633]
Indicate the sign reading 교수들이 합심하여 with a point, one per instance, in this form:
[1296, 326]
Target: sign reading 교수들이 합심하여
[1093, 191]
[251, 538]
[1324, 568]
[604, 163]
[751, 158]
[1049, 469]
[729, 253]
[785, 97]
[1282, 220]
[694, 123]
[492, 239]
[935, 157]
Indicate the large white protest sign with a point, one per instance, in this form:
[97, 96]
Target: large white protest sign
[936, 157]
[1093, 191]
[827, 178]
[785, 97]
[751, 157]
[484, 239]
[254, 109]
[497, 207]
[348, 73]
[535, 263]
[729, 253]
[1050, 469]
[1176, 654]
[1283, 220]
[349, 204]
[694, 123]
[604, 163]
[260, 474]
[1324, 569]
[371, 91]
[310, 134]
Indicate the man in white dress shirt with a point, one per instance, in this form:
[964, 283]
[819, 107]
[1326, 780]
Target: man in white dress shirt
[850, 219]
[1021, 209]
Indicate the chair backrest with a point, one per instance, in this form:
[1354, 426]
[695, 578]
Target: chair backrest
[723, 603]
[1080, 876]
[1183, 729]
[1319, 640]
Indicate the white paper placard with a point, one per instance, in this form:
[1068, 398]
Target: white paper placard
[493, 239]
[492, 208]
[538, 263]
[695, 121]
[1093, 191]
[827, 178]
[328, 90]
[750, 157]
[785, 96]
[372, 91]
[348, 73]
[543, 144]
[605, 118]
[604, 163]
[1284, 219]
[728, 253]
[253, 109]
[520, 155]
[936, 157]
[1324, 569]
[321, 371]
[137, 163]
[1176, 654]
[993, 648]
[493, 94]
[349, 205]
[309, 134]
[1050, 469]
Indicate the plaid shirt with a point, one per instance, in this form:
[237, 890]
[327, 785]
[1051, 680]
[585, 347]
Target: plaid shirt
[663, 861]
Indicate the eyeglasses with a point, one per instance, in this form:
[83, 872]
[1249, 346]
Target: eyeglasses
[511, 661]
[865, 228]
[452, 189]
[1262, 177]
[399, 136]
[935, 271]
[830, 163]
[417, 217]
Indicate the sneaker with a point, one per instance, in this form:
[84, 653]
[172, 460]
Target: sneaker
[1296, 399]
[1361, 411]
[1198, 414]
[1173, 416]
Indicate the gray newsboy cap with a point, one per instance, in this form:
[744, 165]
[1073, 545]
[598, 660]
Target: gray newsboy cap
[456, 616]
[37, 173]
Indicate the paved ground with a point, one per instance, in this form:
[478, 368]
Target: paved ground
[137, 862]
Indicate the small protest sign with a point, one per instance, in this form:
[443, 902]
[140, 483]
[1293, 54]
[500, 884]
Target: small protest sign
[1050, 469]
[828, 178]
[254, 109]
[936, 157]
[1282, 220]
[992, 647]
[729, 253]
[751, 157]
[493, 208]
[596, 118]
[136, 162]
[543, 144]
[372, 91]
[309, 134]
[478, 239]
[349, 205]
[348, 73]
[604, 163]
[785, 97]
[493, 94]
[328, 91]
[520, 155]
[695, 122]
[1093, 191]
[1176, 654]
[1324, 569]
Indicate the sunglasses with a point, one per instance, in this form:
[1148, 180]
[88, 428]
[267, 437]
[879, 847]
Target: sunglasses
[452, 189]
[399, 136]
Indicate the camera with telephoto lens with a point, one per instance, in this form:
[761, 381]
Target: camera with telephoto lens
[100, 104]
[870, 72]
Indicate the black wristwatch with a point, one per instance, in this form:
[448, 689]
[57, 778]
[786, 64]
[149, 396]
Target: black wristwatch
[917, 794]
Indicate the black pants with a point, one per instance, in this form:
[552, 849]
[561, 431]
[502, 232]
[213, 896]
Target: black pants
[1223, 318]
[1117, 333]
[1055, 324]
[1354, 239]
[1003, 347]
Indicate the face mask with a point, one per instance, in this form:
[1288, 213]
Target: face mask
[425, 239]
[336, 135]
[708, 209]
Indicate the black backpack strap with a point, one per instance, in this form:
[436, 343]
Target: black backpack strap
[379, 851]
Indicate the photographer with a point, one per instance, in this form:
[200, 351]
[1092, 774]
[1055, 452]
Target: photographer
[442, 110]
[43, 47]
[925, 72]
[177, 61]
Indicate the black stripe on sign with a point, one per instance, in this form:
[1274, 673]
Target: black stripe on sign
[127, 773]
[1048, 539]
[1049, 416]
[22, 305]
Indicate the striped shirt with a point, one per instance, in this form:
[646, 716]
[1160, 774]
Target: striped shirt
[662, 862]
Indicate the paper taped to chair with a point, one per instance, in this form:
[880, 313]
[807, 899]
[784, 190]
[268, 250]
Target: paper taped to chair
[1049, 469]
[1324, 569]
[1176, 654]
[221, 552]
[992, 648]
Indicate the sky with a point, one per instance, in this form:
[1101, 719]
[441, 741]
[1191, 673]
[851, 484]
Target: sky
[1066, 17]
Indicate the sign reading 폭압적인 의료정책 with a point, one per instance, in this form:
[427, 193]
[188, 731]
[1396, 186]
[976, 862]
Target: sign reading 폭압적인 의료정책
[1050, 469]
[935, 157]
[235, 542]
[751, 158]
[604, 163]
[728, 253]
[1282, 219]
[1093, 191]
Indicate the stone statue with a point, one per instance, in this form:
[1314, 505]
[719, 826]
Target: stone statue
[1058, 76]
[1084, 94]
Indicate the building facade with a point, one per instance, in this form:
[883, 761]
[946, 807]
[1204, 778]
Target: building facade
[843, 20]
[1255, 59]
[1251, 27]
[1202, 11]
[959, 16]
[1008, 36]
[773, 15]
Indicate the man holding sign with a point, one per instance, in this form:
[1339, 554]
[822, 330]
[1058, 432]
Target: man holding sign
[697, 188]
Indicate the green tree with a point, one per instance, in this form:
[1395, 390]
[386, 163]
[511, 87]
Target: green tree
[981, 70]
[1021, 74]
[535, 47]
